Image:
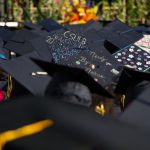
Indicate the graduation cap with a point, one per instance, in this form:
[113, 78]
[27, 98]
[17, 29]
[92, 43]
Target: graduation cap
[85, 27]
[40, 127]
[19, 42]
[50, 25]
[42, 32]
[142, 29]
[92, 25]
[75, 27]
[137, 112]
[75, 74]
[65, 44]
[76, 119]
[6, 34]
[127, 77]
[31, 26]
[39, 44]
[28, 74]
[119, 34]
[135, 89]
[133, 56]
[98, 63]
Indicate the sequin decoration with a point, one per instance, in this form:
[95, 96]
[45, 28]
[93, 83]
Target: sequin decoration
[134, 56]
[65, 44]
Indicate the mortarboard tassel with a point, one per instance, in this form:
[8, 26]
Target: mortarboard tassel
[9, 88]
[123, 101]
[100, 109]
[27, 130]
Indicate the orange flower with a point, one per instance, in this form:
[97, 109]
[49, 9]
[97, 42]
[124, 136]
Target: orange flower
[89, 16]
[75, 17]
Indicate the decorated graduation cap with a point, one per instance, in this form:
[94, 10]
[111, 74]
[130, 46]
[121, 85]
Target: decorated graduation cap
[28, 74]
[98, 63]
[50, 25]
[81, 51]
[119, 34]
[75, 74]
[133, 56]
[19, 42]
[48, 125]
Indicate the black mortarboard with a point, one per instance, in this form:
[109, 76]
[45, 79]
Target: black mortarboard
[28, 111]
[142, 29]
[135, 89]
[19, 48]
[30, 25]
[85, 27]
[133, 56]
[42, 33]
[137, 113]
[23, 111]
[119, 34]
[65, 44]
[50, 25]
[24, 71]
[129, 76]
[40, 45]
[75, 74]
[19, 42]
[5, 33]
[99, 63]
[31, 110]
[92, 25]
[75, 27]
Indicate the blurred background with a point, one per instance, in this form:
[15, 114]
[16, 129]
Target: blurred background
[132, 12]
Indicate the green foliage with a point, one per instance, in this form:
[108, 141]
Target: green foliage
[133, 12]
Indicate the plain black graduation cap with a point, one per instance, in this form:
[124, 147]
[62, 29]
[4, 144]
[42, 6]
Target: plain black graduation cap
[128, 77]
[85, 27]
[135, 89]
[137, 113]
[6, 34]
[92, 25]
[142, 29]
[75, 74]
[50, 25]
[30, 110]
[31, 26]
[27, 111]
[39, 44]
[23, 70]
[19, 42]
[119, 34]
